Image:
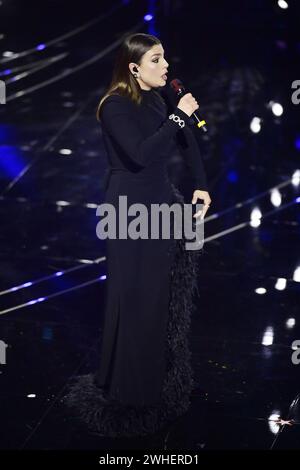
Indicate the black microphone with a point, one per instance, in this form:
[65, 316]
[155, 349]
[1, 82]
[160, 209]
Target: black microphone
[179, 89]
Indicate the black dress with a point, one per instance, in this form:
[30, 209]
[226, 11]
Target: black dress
[145, 376]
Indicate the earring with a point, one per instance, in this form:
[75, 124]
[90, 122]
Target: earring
[135, 74]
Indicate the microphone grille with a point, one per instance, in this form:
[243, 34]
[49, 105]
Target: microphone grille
[176, 85]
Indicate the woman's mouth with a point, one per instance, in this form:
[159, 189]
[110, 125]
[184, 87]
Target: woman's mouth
[164, 77]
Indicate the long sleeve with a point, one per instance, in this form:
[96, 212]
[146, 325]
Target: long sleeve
[118, 117]
[188, 145]
[189, 148]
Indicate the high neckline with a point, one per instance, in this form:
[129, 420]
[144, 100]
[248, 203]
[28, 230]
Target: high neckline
[146, 91]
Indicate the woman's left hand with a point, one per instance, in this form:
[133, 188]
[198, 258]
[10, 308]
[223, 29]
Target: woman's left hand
[198, 194]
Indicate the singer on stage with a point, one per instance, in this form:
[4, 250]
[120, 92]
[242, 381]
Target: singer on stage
[144, 379]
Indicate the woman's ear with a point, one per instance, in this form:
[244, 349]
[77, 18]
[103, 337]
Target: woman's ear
[133, 67]
[134, 70]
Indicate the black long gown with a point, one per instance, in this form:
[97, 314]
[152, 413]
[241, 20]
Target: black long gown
[145, 376]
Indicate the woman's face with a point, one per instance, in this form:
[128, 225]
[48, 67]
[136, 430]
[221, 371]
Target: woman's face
[153, 68]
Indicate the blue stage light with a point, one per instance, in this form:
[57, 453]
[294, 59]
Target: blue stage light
[148, 17]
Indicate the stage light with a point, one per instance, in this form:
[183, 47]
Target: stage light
[255, 217]
[277, 109]
[102, 278]
[290, 323]
[296, 178]
[283, 4]
[59, 273]
[40, 47]
[268, 336]
[7, 53]
[260, 290]
[273, 425]
[280, 283]
[22, 286]
[255, 223]
[148, 17]
[26, 284]
[296, 275]
[255, 125]
[31, 395]
[35, 301]
[65, 151]
[256, 213]
[275, 197]
[63, 203]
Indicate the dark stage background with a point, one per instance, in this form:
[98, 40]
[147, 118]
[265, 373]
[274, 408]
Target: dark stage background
[240, 59]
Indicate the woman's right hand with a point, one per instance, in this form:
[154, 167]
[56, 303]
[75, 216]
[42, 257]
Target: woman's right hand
[188, 104]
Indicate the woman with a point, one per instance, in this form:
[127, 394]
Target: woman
[145, 378]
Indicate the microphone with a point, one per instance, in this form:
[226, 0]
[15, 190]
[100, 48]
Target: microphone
[179, 89]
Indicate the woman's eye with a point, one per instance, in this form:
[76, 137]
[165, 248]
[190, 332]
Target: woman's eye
[156, 60]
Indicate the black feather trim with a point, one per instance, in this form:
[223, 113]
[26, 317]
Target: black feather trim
[109, 418]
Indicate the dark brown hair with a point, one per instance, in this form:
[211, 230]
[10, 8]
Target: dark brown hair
[123, 82]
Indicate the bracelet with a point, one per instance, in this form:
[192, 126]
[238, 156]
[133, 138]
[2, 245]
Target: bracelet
[177, 119]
